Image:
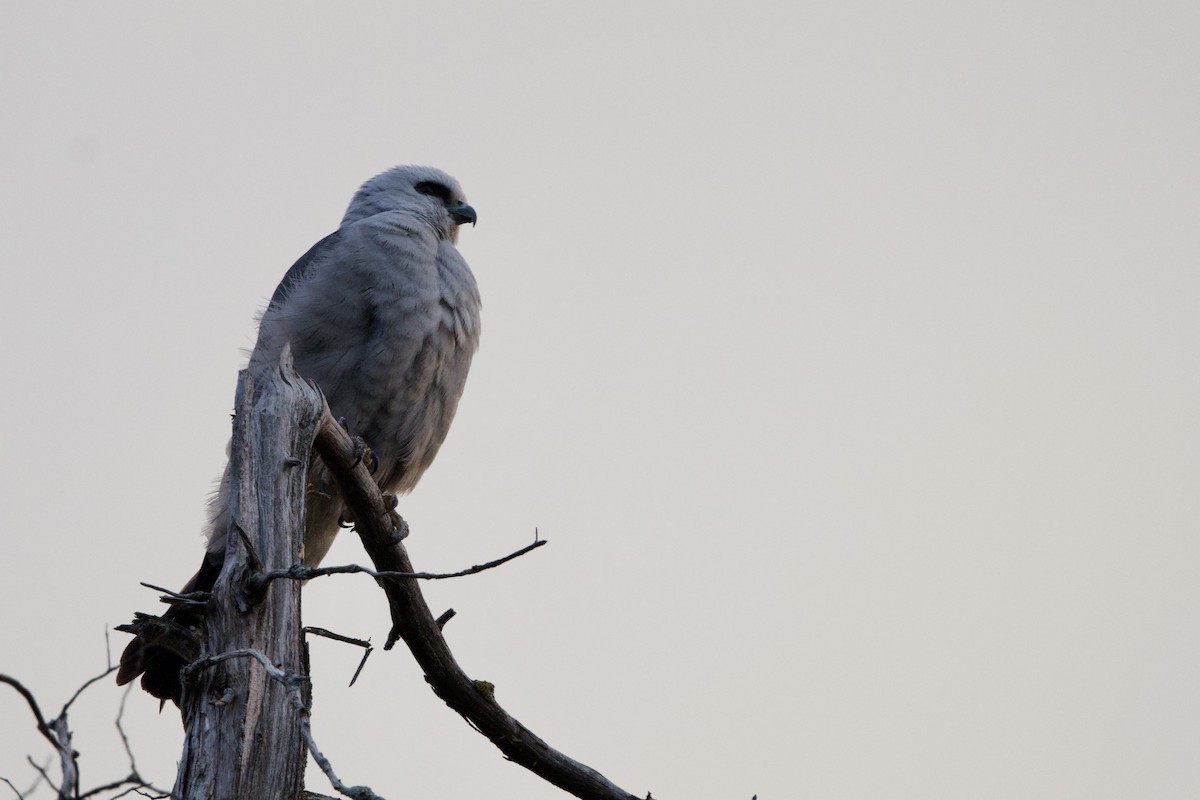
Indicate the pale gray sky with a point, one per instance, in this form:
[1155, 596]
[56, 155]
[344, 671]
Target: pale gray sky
[846, 354]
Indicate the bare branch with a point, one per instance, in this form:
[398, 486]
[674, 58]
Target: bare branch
[138, 790]
[134, 777]
[66, 758]
[57, 733]
[117, 784]
[15, 790]
[273, 429]
[42, 727]
[121, 731]
[79, 691]
[45, 775]
[42, 776]
[338, 637]
[302, 573]
[413, 622]
[178, 597]
[362, 663]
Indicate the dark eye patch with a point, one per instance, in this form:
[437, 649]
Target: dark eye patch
[434, 189]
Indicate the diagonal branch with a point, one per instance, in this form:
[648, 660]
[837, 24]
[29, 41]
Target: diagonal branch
[42, 727]
[381, 534]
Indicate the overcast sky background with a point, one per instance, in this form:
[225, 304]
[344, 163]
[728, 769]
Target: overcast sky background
[847, 355]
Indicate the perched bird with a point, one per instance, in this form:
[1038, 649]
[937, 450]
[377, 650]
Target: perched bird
[383, 315]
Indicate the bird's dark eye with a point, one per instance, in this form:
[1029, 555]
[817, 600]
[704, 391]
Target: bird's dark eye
[434, 189]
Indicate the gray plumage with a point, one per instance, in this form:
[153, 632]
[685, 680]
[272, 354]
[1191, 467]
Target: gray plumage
[383, 315]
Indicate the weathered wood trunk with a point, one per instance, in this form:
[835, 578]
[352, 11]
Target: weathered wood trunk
[242, 736]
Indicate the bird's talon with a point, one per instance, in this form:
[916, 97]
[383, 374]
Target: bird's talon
[359, 452]
[399, 527]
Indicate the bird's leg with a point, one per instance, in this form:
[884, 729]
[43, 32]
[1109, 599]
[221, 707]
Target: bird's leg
[364, 455]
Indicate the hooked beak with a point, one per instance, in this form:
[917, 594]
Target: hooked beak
[463, 213]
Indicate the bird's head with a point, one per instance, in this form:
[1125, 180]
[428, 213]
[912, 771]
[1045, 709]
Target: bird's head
[424, 191]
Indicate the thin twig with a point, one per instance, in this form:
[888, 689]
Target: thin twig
[303, 573]
[141, 782]
[336, 636]
[138, 790]
[109, 786]
[362, 662]
[41, 777]
[193, 599]
[79, 691]
[45, 775]
[57, 731]
[15, 790]
[368, 648]
[121, 729]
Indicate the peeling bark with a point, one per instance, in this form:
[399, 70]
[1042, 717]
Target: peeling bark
[243, 737]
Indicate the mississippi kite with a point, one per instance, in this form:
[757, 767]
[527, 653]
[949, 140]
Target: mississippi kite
[383, 315]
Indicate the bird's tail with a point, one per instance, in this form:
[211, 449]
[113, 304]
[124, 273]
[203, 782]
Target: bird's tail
[160, 667]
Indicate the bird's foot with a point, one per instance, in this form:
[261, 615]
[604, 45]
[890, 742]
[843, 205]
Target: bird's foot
[364, 455]
[399, 526]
